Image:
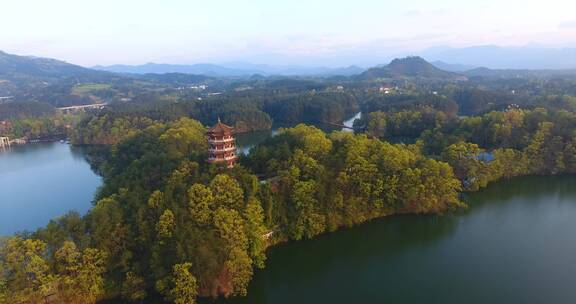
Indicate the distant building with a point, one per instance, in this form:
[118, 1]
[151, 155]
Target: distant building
[5, 126]
[385, 90]
[221, 145]
[243, 88]
[201, 87]
[83, 108]
[4, 142]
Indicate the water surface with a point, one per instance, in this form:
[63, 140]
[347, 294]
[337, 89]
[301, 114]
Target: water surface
[249, 140]
[41, 181]
[516, 244]
[349, 123]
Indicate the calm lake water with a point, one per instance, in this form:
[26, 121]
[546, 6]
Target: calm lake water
[41, 181]
[247, 141]
[515, 244]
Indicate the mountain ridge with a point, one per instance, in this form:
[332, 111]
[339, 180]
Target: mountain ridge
[411, 67]
[15, 65]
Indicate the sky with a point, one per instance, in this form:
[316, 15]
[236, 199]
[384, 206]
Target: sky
[305, 32]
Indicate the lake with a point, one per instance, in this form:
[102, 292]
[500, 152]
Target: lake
[515, 244]
[41, 181]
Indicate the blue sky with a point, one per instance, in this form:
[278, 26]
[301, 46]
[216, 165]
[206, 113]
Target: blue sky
[307, 32]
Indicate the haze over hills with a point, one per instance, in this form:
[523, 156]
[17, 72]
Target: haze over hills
[452, 67]
[496, 57]
[519, 73]
[18, 72]
[445, 57]
[15, 68]
[233, 69]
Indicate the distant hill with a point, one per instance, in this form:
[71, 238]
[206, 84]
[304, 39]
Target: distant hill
[453, 67]
[233, 69]
[411, 67]
[176, 78]
[17, 72]
[55, 82]
[155, 68]
[35, 66]
[496, 57]
[14, 67]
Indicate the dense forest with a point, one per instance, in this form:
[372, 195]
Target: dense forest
[166, 223]
[35, 121]
[163, 216]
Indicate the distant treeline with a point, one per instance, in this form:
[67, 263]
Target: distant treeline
[244, 113]
[18, 110]
[33, 120]
[167, 222]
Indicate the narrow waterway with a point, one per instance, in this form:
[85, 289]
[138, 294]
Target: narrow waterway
[349, 123]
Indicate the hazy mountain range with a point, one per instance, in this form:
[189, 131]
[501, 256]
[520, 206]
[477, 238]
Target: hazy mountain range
[234, 69]
[446, 58]
[490, 61]
[495, 57]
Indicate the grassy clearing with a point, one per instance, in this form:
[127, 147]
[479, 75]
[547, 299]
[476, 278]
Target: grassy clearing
[90, 87]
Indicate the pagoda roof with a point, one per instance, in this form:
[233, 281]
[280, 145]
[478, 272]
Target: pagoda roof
[220, 128]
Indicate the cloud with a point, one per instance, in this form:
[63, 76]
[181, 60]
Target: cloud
[568, 25]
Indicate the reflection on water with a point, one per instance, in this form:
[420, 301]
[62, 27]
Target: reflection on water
[41, 181]
[349, 123]
[516, 244]
[247, 141]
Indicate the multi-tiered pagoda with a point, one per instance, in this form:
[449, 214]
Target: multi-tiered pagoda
[221, 145]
